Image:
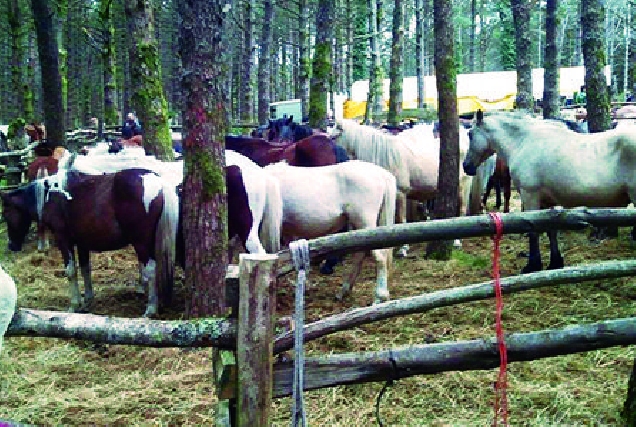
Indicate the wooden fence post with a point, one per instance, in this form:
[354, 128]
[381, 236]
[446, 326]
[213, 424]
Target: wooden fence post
[255, 340]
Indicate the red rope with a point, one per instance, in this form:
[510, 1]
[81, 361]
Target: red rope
[501, 400]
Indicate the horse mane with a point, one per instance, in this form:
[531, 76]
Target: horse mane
[373, 146]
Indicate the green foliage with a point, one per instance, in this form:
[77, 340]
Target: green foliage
[14, 126]
[507, 36]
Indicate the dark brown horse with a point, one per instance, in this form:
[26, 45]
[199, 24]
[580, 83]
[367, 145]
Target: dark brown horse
[238, 212]
[316, 150]
[500, 179]
[103, 213]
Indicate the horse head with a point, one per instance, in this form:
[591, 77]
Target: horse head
[281, 129]
[479, 148]
[16, 214]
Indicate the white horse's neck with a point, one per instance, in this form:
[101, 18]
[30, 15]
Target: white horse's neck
[507, 134]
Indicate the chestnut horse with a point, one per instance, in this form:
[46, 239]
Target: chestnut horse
[316, 150]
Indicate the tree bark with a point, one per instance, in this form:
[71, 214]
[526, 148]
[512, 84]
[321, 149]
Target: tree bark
[521, 18]
[264, 77]
[108, 60]
[551, 97]
[45, 25]
[322, 66]
[206, 122]
[219, 333]
[447, 200]
[419, 52]
[376, 76]
[148, 98]
[302, 88]
[246, 99]
[396, 72]
[593, 33]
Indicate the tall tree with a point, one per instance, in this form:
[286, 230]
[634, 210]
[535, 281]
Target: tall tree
[246, 101]
[447, 200]
[523, 43]
[203, 51]
[148, 97]
[396, 70]
[321, 69]
[264, 94]
[419, 51]
[302, 85]
[592, 19]
[22, 92]
[473, 35]
[374, 97]
[550, 102]
[45, 26]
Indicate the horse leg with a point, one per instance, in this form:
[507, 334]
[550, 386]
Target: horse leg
[332, 260]
[382, 262]
[498, 193]
[141, 287]
[534, 258]
[149, 276]
[71, 274]
[401, 219]
[43, 241]
[84, 258]
[356, 266]
[489, 185]
[556, 260]
[507, 189]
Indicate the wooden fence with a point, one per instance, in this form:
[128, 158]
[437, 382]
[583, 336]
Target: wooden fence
[246, 376]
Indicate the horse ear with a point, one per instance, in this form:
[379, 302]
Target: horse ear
[480, 117]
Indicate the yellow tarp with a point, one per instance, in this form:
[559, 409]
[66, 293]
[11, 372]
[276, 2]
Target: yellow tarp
[465, 104]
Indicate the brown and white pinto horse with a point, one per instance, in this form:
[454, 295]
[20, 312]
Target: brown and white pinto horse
[104, 213]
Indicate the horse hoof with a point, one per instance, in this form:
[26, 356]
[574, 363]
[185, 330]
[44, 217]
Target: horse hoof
[340, 296]
[326, 269]
[530, 269]
[150, 313]
[379, 299]
[402, 253]
[556, 265]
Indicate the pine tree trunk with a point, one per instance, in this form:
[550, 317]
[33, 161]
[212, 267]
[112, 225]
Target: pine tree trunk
[17, 32]
[473, 35]
[374, 97]
[321, 70]
[264, 78]
[108, 61]
[349, 42]
[523, 43]
[45, 23]
[592, 19]
[206, 122]
[247, 91]
[396, 72]
[148, 98]
[551, 100]
[447, 200]
[419, 53]
[302, 88]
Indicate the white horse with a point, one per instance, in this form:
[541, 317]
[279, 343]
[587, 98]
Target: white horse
[551, 165]
[318, 201]
[8, 299]
[412, 156]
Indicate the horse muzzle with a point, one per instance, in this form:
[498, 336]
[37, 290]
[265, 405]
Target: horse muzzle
[15, 247]
[469, 169]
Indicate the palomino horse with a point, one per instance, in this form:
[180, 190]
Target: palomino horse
[552, 165]
[104, 213]
[321, 201]
[411, 156]
[8, 299]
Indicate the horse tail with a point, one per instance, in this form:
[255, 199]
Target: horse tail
[166, 243]
[272, 222]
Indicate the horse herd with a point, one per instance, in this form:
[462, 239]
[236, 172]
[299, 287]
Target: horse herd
[282, 190]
